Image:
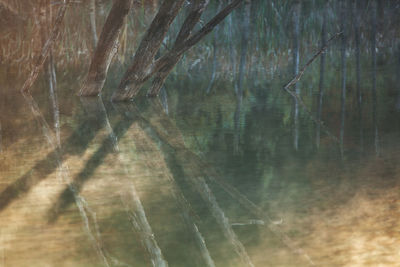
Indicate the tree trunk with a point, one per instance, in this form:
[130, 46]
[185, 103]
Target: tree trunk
[138, 74]
[106, 49]
[198, 6]
[147, 50]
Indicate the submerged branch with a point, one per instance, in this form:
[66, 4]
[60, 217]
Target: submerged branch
[137, 216]
[312, 117]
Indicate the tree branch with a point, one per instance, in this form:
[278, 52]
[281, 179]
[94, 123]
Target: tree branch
[297, 79]
[303, 69]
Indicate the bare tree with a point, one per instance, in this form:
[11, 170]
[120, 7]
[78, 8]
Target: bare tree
[144, 67]
[198, 7]
[147, 49]
[106, 49]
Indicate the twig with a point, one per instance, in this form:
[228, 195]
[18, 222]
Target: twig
[46, 47]
[301, 72]
[298, 98]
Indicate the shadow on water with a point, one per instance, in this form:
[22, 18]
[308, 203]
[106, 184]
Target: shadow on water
[87, 215]
[109, 145]
[76, 144]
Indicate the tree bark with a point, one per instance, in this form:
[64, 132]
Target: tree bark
[147, 50]
[140, 74]
[198, 6]
[106, 49]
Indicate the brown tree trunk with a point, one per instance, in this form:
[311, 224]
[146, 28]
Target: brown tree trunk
[136, 77]
[106, 49]
[198, 6]
[147, 50]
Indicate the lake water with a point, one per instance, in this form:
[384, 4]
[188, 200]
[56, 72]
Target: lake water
[201, 176]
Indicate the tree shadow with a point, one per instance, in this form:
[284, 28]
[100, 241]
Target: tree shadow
[109, 145]
[76, 144]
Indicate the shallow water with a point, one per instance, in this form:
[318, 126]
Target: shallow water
[131, 184]
[200, 176]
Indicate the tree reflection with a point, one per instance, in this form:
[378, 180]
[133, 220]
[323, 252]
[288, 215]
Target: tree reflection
[343, 18]
[374, 93]
[296, 62]
[109, 145]
[357, 38]
[321, 78]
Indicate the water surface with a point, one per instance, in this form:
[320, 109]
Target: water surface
[204, 175]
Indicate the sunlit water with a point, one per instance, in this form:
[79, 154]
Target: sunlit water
[200, 177]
